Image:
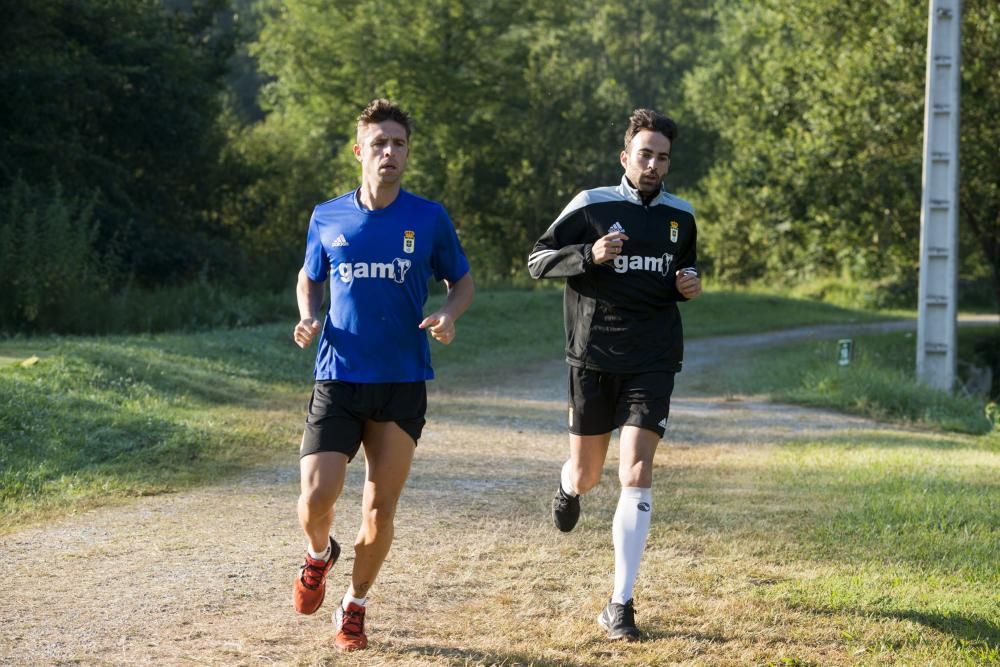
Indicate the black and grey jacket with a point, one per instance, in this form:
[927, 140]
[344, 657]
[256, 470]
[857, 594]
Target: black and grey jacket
[620, 316]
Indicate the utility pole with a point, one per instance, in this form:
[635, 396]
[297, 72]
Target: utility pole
[937, 343]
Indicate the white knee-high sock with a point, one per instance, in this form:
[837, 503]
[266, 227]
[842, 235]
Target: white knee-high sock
[567, 483]
[630, 530]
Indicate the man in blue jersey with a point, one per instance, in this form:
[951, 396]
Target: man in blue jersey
[378, 246]
[627, 253]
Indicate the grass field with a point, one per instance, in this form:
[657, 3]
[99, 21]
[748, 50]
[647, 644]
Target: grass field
[100, 418]
[795, 541]
[880, 549]
[891, 538]
[878, 383]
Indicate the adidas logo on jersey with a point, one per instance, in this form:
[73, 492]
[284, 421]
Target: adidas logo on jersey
[617, 227]
[340, 242]
[394, 270]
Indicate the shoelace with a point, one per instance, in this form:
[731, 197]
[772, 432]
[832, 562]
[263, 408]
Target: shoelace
[312, 575]
[626, 615]
[564, 500]
[354, 622]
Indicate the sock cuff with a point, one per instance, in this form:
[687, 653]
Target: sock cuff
[348, 598]
[320, 555]
[637, 493]
[564, 481]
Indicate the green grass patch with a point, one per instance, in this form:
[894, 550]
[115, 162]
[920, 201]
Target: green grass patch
[502, 328]
[98, 419]
[520, 327]
[879, 382]
[720, 313]
[881, 540]
[903, 529]
[102, 418]
[889, 538]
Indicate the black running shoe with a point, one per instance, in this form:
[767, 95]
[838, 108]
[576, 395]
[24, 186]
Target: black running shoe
[619, 621]
[565, 510]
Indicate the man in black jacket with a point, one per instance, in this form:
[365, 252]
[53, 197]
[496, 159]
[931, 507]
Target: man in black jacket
[628, 255]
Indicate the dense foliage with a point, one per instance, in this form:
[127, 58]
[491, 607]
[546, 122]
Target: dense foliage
[171, 141]
[820, 111]
[517, 104]
[110, 152]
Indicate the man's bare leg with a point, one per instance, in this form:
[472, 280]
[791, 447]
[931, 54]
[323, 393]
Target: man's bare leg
[322, 479]
[388, 456]
[579, 474]
[321, 482]
[587, 454]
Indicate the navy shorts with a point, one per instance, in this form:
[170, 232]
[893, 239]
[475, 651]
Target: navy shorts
[600, 402]
[338, 410]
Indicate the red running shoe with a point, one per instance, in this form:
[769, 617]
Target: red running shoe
[350, 627]
[310, 586]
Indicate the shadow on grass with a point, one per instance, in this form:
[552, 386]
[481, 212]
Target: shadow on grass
[968, 629]
[125, 412]
[79, 430]
[75, 438]
[215, 372]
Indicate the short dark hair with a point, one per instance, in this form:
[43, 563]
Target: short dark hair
[647, 119]
[382, 109]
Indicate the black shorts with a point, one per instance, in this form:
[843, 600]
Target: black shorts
[601, 402]
[337, 412]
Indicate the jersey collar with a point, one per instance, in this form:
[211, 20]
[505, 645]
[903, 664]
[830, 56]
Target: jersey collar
[630, 193]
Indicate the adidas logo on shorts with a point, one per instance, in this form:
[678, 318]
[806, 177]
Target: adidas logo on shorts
[663, 423]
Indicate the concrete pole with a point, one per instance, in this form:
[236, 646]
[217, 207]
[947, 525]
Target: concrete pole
[937, 343]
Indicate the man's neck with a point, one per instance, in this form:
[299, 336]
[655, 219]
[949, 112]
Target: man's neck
[377, 196]
[646, 197]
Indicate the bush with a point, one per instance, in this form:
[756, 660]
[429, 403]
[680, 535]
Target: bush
[196, 306]
[888, 293]
[48, 256]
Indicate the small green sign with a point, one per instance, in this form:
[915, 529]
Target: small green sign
[845, 351]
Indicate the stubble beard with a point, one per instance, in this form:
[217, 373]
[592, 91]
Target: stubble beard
[648, 187]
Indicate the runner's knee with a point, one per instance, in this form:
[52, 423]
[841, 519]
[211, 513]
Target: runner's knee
[317, 499]
[381, 514]
[638, 474]
[587, 478]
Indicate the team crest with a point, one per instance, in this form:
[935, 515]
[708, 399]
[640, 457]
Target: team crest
[408, 240]
[674, 225]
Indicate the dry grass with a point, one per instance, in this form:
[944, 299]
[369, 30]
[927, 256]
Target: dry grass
[477, 576]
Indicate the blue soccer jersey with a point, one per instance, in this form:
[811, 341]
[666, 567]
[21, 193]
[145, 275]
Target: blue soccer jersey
[379, 264]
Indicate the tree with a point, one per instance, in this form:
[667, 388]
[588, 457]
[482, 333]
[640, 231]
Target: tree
[979, 196]
[820, 112]
[121, 97]
[518, 105]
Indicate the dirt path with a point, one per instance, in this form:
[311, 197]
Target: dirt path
[203, 577]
